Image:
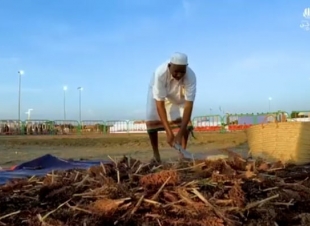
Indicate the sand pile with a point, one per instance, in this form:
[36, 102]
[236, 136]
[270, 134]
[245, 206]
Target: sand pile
[235, 191]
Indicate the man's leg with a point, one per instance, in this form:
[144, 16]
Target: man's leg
[153, 135]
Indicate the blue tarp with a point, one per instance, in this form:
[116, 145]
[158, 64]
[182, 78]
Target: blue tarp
[43, 165]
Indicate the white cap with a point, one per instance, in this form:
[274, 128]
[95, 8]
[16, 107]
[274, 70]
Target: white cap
[179, 59]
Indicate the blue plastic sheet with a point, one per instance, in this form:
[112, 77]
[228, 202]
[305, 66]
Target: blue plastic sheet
[44, 165]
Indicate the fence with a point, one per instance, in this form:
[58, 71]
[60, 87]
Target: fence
[207, 123]
[239, 122]
[37, 127]
[93, 126]
[66, 127]
[10, 127]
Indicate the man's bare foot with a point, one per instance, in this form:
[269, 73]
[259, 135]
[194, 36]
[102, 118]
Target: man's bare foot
[154, 162]
[156, 157]
[181, 157]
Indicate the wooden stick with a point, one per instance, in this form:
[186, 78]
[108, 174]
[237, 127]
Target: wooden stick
[112, 160]
[10, 214]
[117, 170]
[134, 164]
[139, 167]
[76, 175]
[160, 189]
[270, 189]
[193, 160]
[194, 182]
[129, 161]
[290, 203]
[118, 176]
[49, 213]
[223, 201]
[52, 177]
[254, 165]
[158, 221]
[137, 205]
[200, 196]
[155, 168]
[153, 215]
[82, 181]
[103, 168]
[274, 169]
[260, 203]
[152, 202]
[192, 167]
[30, 179]
[78, 208]
[176, 202]
[207, 203]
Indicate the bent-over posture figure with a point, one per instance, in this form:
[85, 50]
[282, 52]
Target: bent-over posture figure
[170, 101]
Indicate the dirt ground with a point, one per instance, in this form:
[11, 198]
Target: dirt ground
[17, 149]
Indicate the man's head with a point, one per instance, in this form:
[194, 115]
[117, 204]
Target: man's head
[177, 66]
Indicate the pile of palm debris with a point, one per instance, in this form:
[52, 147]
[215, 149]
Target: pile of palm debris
[234, 191]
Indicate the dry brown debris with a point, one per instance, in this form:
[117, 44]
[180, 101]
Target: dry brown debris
[155, 180]
[216, 193]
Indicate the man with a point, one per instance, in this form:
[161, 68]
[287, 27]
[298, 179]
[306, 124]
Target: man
[171, 96]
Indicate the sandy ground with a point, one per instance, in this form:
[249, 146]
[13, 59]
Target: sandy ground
[17, 149]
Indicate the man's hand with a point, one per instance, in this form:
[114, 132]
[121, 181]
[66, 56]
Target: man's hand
[163, 117]
[170, 138]
[178, 138]
[188, 108]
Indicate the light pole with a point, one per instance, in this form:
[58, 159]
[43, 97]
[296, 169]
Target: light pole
[269, 103]
[29, 113]
[20, 73]
[65, 89]
[80, 103]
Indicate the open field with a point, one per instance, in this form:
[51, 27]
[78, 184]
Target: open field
[16, 149]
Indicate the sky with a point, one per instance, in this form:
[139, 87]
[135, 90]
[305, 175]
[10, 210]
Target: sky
[242, 52]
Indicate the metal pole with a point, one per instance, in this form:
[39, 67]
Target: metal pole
[269, 103]
[65, 105]
[80, 105]
[19, 97]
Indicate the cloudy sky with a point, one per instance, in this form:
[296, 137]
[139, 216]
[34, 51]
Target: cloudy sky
[243, 52]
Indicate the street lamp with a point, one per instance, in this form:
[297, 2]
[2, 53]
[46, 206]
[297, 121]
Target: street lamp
[20, 73]
[65, 89]
[29, 113]
[80, 102]
[269, 103]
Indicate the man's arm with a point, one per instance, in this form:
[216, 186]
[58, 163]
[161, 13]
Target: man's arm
[159, 94]
[161, 109]
[188, 108]
[190, 94]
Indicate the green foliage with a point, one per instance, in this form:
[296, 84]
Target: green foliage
[294, 114]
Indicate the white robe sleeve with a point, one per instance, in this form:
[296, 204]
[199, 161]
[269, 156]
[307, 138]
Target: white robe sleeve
[159, 87]
[190, 85]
